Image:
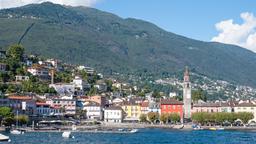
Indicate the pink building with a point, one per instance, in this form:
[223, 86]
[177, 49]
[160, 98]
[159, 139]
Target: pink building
[206, 107]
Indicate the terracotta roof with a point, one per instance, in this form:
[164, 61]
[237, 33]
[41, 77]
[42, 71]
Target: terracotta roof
[19, 98]
[207, 105]
[92, 104]
[171, 102]
[42, 104]
[246, 104]
[114, 108]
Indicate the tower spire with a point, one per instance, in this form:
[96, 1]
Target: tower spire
[186, 74]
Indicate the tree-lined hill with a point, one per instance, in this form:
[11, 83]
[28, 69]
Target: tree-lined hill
[82, 35]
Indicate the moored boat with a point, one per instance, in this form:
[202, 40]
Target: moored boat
[16, 132]
[134, 131]
[4, 138]
[66, 134]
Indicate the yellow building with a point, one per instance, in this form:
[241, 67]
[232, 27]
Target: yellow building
[132, 111]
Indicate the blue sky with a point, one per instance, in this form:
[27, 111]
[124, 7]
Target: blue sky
[192, 18]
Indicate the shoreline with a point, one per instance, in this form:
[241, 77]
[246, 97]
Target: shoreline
[113, 128]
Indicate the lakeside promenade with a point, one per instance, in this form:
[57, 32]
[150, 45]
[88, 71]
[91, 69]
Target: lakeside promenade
[115, 126]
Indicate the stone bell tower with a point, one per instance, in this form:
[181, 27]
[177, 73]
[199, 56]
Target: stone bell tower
[186, 95]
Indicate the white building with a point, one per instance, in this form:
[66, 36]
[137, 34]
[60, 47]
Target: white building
[113, 114]
[63, 88]
[79, 83]
[246, 107]
[93, 111]
[38, 71]
[21, 78]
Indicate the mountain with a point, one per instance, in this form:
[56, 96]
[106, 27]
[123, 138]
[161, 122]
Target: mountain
[82, 35]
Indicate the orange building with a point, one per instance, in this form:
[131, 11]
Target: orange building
[98, 99]
[172, 106]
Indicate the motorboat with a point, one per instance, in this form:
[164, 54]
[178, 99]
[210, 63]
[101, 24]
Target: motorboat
[4, 138]
[16, 132]
[213, 128]
[66, 134]
[216, 128]
[197, 127]
[134, 130]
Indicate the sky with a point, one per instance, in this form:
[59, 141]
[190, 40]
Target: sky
[226, 21]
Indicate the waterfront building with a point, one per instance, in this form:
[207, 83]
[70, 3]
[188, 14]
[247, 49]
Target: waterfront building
[113, 114]
[93, 110]
[154, 107]
[187, 95]
[67, 106]
[246, 106]
[144, 107]
[206, 107]
[169, 106]
[23, 104]
[44, 109]
[132, 110]
[96, 98]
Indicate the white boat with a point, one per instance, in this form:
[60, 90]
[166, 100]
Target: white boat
[4, 138]
[197, 127]
[66, 134]
[16, 132]
[134, 130]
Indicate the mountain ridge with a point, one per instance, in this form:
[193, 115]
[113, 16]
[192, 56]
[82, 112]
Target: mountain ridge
[82, 35]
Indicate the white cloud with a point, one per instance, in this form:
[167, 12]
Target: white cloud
[243, 34]
[17, 3]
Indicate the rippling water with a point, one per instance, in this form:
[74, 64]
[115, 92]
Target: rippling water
[144, 136]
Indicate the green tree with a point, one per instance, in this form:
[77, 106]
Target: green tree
[14, 57]
[153, 116]
[143, 118]
[164, 118]
[8, 121]
[174, 117]
[92, 91]
[27, 86]
[22, 119]
[198, 95]
[5, 112]
[156, 94]
[245, 116]
[12, 88]
[109, 85]
[15, 52]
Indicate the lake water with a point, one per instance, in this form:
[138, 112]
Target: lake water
[144, 136]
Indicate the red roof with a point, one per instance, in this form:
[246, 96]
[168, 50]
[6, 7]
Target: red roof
[171, 101]
[42, 104]
[20, 98]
